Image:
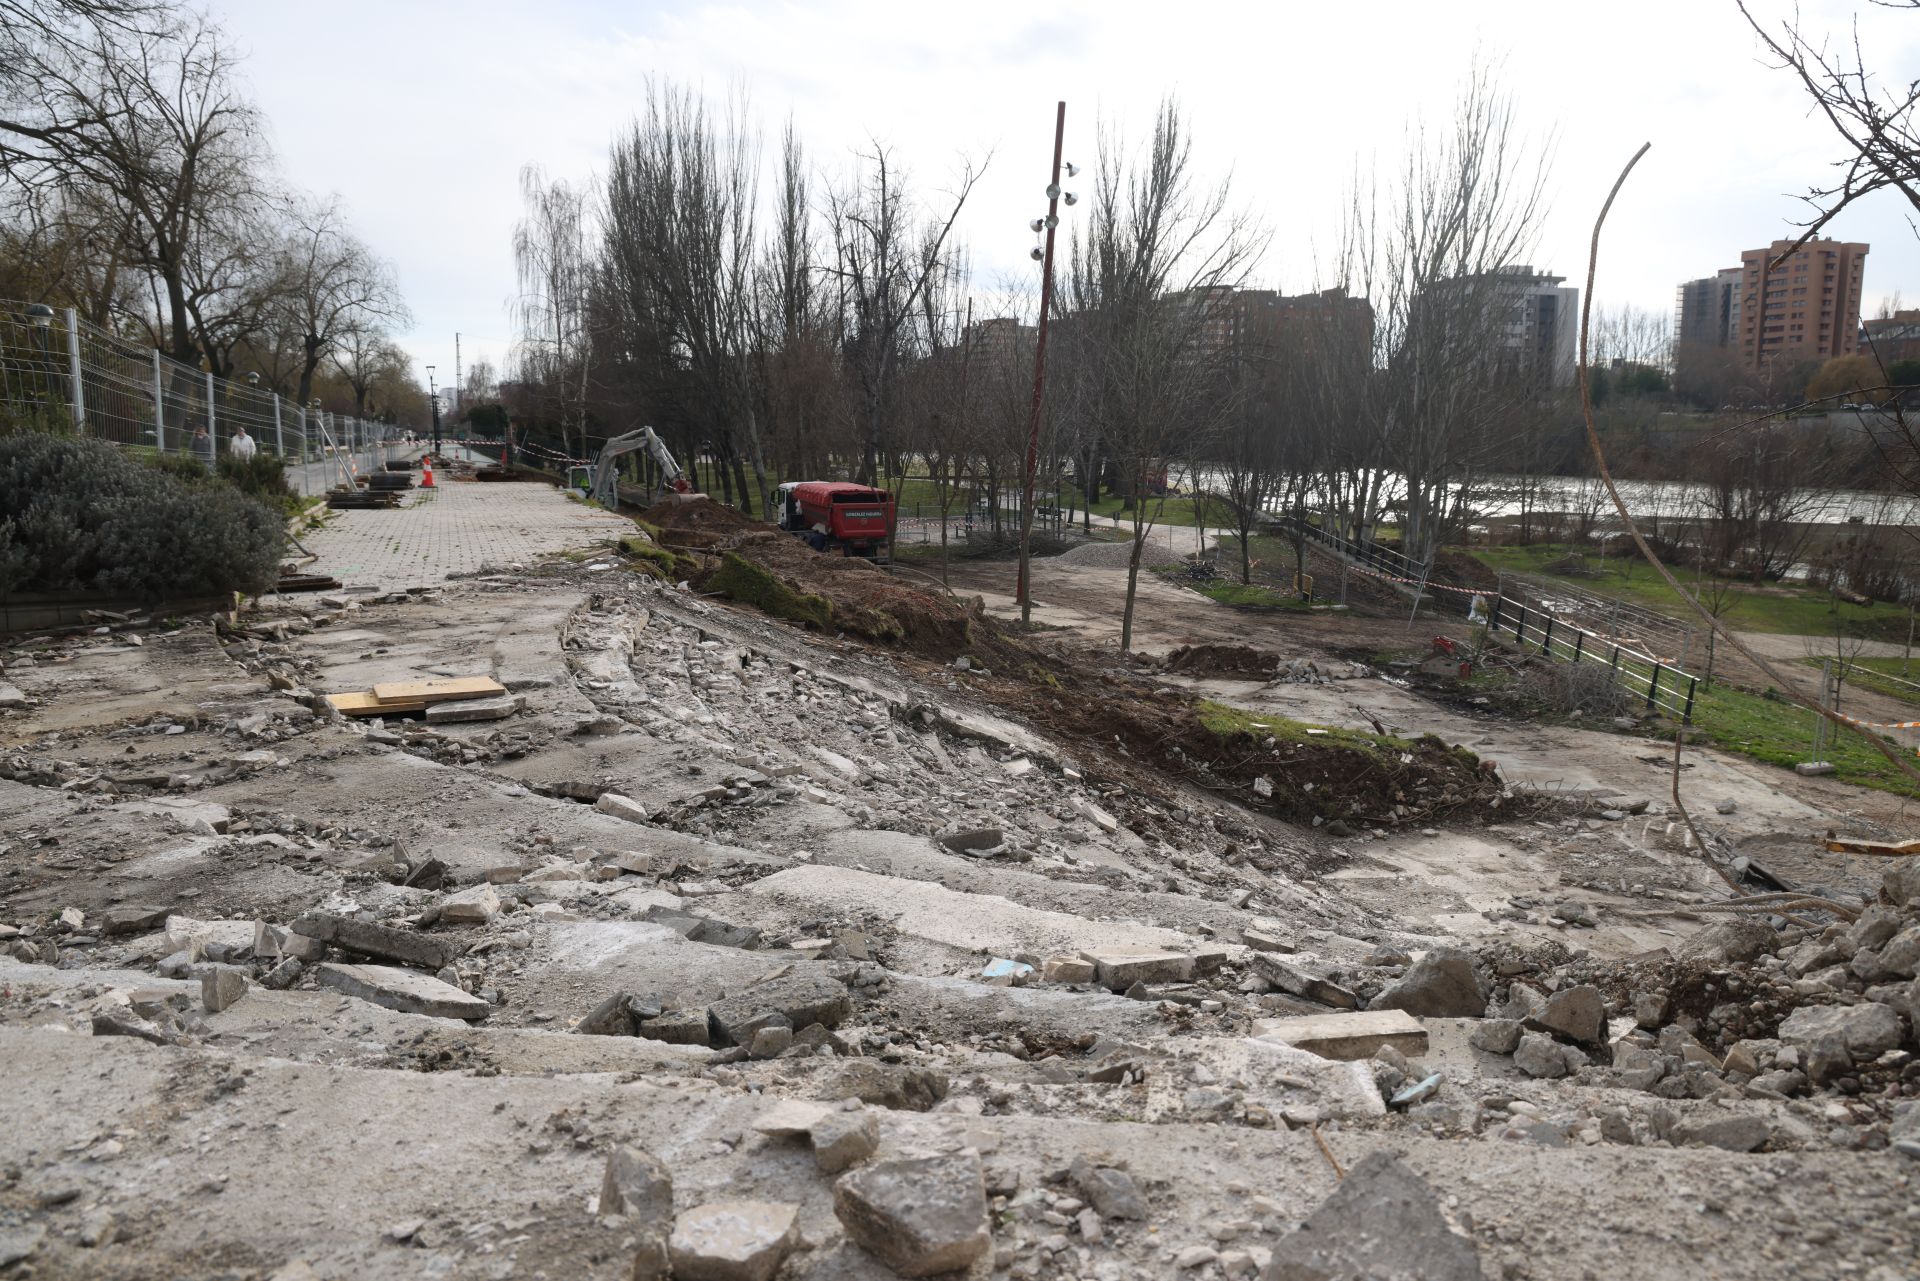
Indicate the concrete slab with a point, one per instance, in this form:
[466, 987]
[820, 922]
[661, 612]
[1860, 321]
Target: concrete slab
[971, 922]
[1347, 1036]
[407, 991]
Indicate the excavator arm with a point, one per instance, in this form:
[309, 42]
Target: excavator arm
[606, 475]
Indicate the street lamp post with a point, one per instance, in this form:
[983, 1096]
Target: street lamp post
[433, 403]
[1049, 224]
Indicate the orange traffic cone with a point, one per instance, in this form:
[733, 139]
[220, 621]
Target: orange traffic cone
[426, 469]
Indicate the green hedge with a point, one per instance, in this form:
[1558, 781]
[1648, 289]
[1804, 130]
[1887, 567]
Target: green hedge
[80, 514]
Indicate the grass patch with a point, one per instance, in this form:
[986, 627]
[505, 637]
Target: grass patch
[1227, 722]
[671, 564]
[1230, 591]
[1780, 733]
[1778, 608]
[748, 583]
[1894, 677]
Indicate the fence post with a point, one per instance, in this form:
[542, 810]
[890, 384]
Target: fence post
[1519, 622]
[1693, 683]
[1614, 663]
[79, 398]
[1579, 643]
[279, 437]
[1546, 639]
[213, 431]
[302, 410]
[159, 406]
[1653, 686]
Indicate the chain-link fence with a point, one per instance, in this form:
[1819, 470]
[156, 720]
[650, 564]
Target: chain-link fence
[71, 372]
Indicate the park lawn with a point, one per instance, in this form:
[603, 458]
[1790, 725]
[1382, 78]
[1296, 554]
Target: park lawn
[1894, 677]
[1781, 733]
[1775, 607]
[1231, 591]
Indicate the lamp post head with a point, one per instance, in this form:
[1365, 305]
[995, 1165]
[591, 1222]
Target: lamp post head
[40, 314]
[253, 379]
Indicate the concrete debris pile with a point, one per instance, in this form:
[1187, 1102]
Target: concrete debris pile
[746, 952]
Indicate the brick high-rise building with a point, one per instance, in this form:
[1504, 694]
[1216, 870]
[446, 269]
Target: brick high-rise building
[1807, 308]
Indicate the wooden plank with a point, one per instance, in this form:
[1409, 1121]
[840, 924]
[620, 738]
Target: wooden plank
[361, 703]
[1879, 849]
[439, 690]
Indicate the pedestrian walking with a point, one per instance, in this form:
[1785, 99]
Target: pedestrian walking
[202, 446]
[241, 446]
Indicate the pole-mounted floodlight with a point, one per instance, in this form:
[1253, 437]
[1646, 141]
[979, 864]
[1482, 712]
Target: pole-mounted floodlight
[40, 314]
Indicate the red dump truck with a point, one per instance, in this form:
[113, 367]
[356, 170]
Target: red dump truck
[836, 516]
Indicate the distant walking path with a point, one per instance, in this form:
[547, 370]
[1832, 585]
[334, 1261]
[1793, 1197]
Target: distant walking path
[458, 527]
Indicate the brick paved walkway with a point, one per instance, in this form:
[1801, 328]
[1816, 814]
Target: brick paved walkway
[455, 528]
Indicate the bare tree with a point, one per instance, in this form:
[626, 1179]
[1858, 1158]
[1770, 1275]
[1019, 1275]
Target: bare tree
[884, 257]
[1149, 285]
[682, 189]
[333, 284]
[553, 267]
[1436, 252]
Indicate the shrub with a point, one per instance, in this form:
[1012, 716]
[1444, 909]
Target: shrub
[81, 515]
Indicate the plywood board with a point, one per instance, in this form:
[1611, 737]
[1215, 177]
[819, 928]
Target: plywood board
[438, 690]
[360, 703]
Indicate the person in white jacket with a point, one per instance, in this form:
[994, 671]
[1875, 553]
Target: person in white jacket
[241, 445]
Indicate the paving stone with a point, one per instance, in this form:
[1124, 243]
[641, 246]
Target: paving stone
[733, 1240]
[407, 991]
[1261, 941]
[1119, 968]
[1067, 969]
[920, 1216]
[1347, 1036]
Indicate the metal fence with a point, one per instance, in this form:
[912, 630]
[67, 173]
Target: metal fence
[1664, 686]
[1636, 628]
[118, 390]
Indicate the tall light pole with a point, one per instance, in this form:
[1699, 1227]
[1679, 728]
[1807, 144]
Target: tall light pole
[1024, 590]
[433, 403]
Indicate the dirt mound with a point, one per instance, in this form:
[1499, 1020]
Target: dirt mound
[777, 573]
[696, 522]
[1301, 773]
[1221, 660]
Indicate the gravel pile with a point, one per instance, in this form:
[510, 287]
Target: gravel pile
[1116, 555]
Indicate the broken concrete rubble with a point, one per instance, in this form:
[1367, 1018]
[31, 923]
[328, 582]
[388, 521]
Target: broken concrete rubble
[841, 875]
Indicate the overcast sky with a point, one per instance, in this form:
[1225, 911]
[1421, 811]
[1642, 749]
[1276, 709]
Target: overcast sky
[421, 115]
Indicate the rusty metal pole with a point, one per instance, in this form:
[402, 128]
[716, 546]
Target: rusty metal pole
[1024, 590]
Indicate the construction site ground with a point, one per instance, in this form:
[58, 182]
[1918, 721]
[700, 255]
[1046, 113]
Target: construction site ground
[833, 858]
